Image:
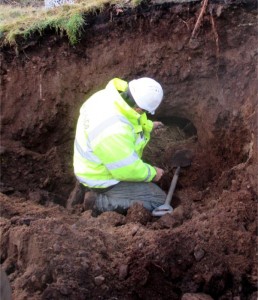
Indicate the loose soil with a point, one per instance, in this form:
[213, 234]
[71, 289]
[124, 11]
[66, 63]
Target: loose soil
[206, 249]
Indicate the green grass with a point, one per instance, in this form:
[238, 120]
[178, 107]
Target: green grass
[23, 22]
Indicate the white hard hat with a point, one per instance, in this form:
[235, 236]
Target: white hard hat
[147, 93]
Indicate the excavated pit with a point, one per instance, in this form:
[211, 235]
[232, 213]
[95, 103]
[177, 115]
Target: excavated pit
[210, 107]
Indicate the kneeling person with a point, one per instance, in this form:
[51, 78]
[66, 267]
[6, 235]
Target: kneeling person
[112, 132]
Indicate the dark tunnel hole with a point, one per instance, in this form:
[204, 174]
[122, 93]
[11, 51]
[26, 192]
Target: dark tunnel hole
[184, 124]
[180, 133]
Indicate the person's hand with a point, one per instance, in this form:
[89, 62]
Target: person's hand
[157, 125]
[159, 174]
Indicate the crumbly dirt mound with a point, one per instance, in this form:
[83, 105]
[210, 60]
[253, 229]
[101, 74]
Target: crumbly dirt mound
[206, 248]
[51, 254]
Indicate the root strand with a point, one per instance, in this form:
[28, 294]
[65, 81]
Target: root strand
[215, 32]
[198, 22]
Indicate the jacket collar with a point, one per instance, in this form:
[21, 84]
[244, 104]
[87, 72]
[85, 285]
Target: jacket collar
[115, 86]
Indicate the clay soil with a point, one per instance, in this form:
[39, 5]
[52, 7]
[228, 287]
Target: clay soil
[206, 249]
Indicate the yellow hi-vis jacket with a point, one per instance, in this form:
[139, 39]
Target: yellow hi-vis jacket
[110, 138]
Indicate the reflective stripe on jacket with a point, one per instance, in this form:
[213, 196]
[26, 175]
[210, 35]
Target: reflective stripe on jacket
[110, 138]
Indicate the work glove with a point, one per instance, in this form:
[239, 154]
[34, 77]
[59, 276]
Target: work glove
[159, 174]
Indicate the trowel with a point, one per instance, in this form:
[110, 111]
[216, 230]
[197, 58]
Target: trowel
[181, 159]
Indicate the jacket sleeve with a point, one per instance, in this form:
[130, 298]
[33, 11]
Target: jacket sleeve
[117, 152]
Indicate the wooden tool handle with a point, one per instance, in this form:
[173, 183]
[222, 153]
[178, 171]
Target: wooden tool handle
[172, 186]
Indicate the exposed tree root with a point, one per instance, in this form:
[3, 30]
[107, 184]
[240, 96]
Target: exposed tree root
[198, 22]
[213, 24]
[214, 29]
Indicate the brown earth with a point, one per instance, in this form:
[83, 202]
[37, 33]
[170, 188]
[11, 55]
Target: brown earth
[207, 248]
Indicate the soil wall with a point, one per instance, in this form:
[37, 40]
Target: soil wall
[209, 80]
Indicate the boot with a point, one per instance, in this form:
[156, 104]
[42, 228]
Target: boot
[90, 198]
[76, 196]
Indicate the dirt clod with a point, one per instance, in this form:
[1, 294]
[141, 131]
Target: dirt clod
[199, 254]
[138, 214]
[197, 296]
[99, 280]
[123, 272]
